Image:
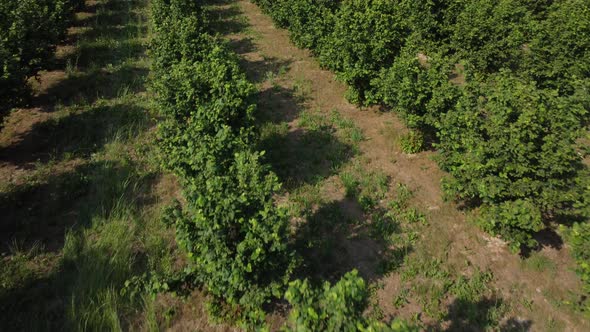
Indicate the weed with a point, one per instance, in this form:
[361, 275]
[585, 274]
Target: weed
[413, 142]
[349, 130]
[404, 194]
[356, 135]
[373, 188]
[402, 298]
[412, 215]
[283, 69]
[302, 86]
[305, 199]
[339, 121]
[312, 121]
[553, 324]
[528, 304]
[270, 76]
[15, 271]
[425, 267]
[72, 66]
[539, 263]
[473, 288]
[432, 282]
[384, 225]
[351, 184]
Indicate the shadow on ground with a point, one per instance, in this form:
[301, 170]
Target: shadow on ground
[40, 213]
[226, 17]
[301, 156]
[339, 237]
[41, 209]
[57, 266]
[266, 69]
[482, 315]
[75, 135]
[48, 291]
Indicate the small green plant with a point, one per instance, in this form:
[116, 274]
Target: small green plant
[356, 135]
[413, 215]
[472, 288]
[305, 199]
[312, 121]
[337, 307]
[14, 272]
[303, 87]
[528, 304]
[404, 194]
[271, 77]
[339, 121]
[578, 237]
[374, 186]
[402, 298]
[412, 142]
[384, 224]
[351, 184]
[540, 263]
[368, 188]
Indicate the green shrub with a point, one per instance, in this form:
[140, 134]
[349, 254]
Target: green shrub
[367, 36]
[412, 142]
[419, 91]
[560, 49]
[514, 221]
[426, 21]
[357, 38]
[578, 237]
[538, 7]
[210, 89]
[491, 34]
[510, 144]
[29, 33]
[309, 21]
[207, 117]
[333, 308]
[279, 10]
[235, 236]
[178, 32]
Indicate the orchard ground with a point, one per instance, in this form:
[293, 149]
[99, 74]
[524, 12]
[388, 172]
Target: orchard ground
[81, 196]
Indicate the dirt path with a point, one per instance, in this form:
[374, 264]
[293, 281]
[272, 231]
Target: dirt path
[267, 51]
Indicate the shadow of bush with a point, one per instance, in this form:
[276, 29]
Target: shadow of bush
[336, 239]
[75, 135]
[305, 157]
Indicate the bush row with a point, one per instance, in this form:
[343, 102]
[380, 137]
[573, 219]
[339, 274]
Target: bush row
[29, 33]
[499, 87]
[236, 238]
